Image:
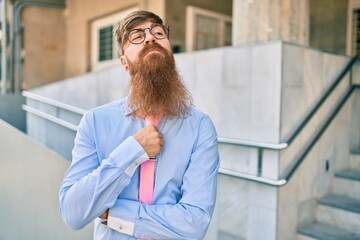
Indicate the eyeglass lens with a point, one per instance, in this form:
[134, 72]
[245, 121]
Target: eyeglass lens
[137, 36]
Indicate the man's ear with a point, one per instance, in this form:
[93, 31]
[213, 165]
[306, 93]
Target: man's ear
[124, 63]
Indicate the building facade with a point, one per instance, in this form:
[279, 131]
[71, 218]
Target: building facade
[50, 40]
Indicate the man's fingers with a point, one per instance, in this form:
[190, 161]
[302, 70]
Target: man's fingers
[150, 139]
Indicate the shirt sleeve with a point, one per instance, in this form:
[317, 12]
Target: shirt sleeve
[91, 186]
[190, 217]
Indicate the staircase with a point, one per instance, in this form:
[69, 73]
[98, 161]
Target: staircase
[338, 213]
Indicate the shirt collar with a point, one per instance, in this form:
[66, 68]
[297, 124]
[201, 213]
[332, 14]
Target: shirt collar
[127, 109]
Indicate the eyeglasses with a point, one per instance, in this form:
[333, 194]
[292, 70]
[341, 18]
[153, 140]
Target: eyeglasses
[137, 36]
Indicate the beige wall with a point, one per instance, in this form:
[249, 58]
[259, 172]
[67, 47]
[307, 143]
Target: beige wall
[44, 43]
[262, 21]
[328, 26]
[79, 15]
[60, 47]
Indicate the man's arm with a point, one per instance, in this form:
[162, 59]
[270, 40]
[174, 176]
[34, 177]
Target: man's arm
[89, 188]
[190, 217]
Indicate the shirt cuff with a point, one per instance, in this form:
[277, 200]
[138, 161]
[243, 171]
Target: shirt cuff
[122, 216]
[127, 153]
[132, 168]
[121, 225]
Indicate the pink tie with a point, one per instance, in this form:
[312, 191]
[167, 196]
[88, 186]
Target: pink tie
[146, 189]
[147, 170]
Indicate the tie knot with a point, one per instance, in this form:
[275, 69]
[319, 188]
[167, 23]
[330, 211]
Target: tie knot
[152, 121]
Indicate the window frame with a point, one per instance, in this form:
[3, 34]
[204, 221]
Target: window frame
[353, 5]
[96, 25]
[191, 12]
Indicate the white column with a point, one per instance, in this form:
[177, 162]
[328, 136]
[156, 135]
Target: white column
[3, 47]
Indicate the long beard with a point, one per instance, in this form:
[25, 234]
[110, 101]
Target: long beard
[156, 88]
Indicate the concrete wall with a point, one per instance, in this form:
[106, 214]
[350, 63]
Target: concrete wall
[307, 74]
[30, 177]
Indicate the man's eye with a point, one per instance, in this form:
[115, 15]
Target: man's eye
[159, 33]
[136, 36]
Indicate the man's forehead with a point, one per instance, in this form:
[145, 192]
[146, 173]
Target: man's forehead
[144, 24]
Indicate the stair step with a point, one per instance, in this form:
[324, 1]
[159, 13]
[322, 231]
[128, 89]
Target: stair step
[324, 231]
[339, 211]
[345, 185]
[342, 202]
[355, 159]
[349, 174]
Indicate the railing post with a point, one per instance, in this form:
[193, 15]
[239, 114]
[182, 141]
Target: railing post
[260, 159]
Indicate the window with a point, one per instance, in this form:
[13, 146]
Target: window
[206, 29]
[356, 32]
[106, 44]
[104, 48]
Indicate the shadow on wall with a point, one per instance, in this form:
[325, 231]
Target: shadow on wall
[11, 111]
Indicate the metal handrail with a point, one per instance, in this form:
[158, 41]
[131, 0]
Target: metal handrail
[322, 99]
[287, 176]
[281, 146]
[253, 144]
[319, 132]
[286, 144]
[54, 103]
[50, 118]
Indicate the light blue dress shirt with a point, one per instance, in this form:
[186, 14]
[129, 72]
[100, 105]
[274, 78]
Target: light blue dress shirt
[104, 175]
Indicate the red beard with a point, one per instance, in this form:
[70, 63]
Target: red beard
[155, 87]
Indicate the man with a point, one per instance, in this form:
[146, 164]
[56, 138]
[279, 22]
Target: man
[104, 181]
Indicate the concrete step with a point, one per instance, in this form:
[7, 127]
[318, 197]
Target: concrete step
[349, 174]
[347, 183]
[321, 231]
[355, 159]
[341, 211]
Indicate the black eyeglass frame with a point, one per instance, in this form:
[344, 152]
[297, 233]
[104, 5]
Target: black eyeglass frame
[126, 35]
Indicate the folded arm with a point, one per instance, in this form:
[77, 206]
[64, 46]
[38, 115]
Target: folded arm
[91, 186]
[190, 216]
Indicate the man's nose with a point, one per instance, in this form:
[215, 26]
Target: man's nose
[149, 37]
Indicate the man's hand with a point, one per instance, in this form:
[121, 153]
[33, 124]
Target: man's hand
[150, 139]
[104, 215]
